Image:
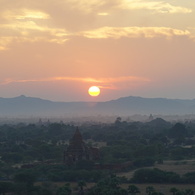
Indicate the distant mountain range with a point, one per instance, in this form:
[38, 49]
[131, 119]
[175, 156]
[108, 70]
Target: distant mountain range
[30, 106]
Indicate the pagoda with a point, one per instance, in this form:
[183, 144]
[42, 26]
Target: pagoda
[78, 150]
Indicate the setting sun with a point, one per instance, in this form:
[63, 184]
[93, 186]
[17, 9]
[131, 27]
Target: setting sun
[94, 91]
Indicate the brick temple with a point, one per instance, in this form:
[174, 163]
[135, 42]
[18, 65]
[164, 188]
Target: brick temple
[78, 150]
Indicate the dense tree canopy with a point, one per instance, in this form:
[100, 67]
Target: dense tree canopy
[40, 148]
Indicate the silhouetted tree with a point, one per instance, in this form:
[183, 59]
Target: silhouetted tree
[81, 184]
[150, 190]
[64, 190]
[189, 192]
[178, 131]
[174, 190]
[132, 189]
[6, 187]
[24, 183]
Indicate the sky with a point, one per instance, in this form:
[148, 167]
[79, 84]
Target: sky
[57, 49]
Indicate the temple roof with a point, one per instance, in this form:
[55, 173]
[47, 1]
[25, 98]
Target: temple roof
[77, 136]
[76, 143]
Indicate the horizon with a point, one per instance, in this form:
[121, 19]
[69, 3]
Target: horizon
[133, 107]
[25, 96]
[57, 50]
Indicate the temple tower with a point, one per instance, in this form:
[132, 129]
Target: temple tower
[78, 150]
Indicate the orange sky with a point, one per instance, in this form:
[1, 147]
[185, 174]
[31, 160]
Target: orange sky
[57, 49]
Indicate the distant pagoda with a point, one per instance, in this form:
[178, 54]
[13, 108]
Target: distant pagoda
[78, 150]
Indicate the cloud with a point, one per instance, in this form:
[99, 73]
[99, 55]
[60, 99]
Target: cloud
[103, 14]
[26, 26]
[94, 6]
[109, 5]
[192, 30]
[24, 14]
[37, 22]
[134, 32]
[122, 82]
[155, 6]
[109, 82]
[4, 42]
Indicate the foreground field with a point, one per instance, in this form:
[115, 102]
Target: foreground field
[179, 167]
[163, 188]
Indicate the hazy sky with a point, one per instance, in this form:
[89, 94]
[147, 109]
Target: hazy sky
[57, 49]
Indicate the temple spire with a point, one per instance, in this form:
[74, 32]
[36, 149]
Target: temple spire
[77, 136]
[78, 150]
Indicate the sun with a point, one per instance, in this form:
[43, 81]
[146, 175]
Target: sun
[94, 91]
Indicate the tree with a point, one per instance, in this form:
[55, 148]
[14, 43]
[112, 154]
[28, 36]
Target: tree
[178, 131]
[108, 186]
[157, 193]
[12, 157]
[180, 193]
[64, 190]
[118, 121]
[6, 187]
[132, 189]
[81, 184]
[173, 190]
[189, 177]
[43, 191]
[123, 191]
[188, 192]
[25, 177]
[150, 190]
[24, 183]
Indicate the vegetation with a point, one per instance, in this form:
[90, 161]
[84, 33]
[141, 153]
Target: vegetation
[31, 153]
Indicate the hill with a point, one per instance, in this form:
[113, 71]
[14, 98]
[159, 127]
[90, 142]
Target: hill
[30, 106]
